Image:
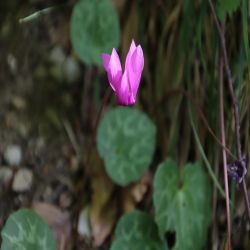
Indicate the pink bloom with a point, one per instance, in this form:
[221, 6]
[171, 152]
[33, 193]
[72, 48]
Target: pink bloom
[125, 85]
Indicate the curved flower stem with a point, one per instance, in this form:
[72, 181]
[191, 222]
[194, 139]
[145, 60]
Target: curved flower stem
[106, 97]
[98, 118]
[222, 128]
[88, 157]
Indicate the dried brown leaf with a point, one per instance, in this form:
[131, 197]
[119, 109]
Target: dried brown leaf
[103, 210]
[136, 192]
[58, 221]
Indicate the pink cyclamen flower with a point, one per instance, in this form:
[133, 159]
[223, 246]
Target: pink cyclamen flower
[125, 85]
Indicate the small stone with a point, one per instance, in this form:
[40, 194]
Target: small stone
[19, 102]
[83, 227]
[57, 55]
[12, 62]
[74, 163]
[5, 175]
[71, 70]
[13, 155]
[22, 180]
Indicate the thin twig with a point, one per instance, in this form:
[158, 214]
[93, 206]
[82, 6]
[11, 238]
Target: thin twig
[202, 117]
[233, 98]
[214, 235]
[40, 13]
[222, 129]
[229, 78]
[207, 164]
[71, 136]
[244, 186]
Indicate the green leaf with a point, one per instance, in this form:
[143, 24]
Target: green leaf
[137, 231]
[225, 7]
[94, 29]
[25, 230]
[126, 142]
[182, 204]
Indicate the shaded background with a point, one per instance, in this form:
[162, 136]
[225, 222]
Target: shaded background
[49, 103]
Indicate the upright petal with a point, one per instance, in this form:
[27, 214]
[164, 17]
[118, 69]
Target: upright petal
[113, 67]
[130, 53]
[135, 68]
[114, 64]
[137, 60]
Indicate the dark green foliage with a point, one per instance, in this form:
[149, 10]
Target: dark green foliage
[25, 230]
[137, 231]
[94, 29]
[182, 204]
[126, 142]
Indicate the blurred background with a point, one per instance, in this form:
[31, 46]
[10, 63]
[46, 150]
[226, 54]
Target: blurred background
[52, 86]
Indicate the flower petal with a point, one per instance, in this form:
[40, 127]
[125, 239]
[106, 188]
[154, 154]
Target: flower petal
[105, 61]
[130, 52]
[125, 85]
[114, 70]
[135, 69]
[124, 94]
[112, 65]
[137, 60]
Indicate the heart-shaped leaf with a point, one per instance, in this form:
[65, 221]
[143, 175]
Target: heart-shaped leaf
[182, 204]
[137, 231]
[126, 142]
[94, 29]
[25, 230]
